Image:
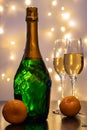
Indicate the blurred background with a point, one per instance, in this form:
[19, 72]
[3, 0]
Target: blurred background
[57, 19]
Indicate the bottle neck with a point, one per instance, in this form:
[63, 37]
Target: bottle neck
[32, 49]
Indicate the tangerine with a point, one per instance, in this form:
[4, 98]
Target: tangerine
[70, 106]
[14, 111]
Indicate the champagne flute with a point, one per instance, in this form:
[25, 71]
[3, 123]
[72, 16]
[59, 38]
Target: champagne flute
[59, 50]
[74, 60]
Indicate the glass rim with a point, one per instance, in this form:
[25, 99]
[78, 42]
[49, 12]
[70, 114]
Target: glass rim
[74, 39]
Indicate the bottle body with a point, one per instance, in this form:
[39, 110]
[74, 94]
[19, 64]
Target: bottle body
[32, 83]
[32, 86]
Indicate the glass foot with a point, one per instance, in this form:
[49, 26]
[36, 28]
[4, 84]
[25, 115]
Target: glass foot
[82, 114]
[57, 112]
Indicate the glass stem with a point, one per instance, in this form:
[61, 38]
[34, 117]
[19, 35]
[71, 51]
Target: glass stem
[73, 80]
[62, 85]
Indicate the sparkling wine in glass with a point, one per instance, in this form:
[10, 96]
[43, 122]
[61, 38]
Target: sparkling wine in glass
[74, 60]
[58, 58]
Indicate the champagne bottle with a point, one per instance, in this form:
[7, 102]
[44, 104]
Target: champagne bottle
[32, 83]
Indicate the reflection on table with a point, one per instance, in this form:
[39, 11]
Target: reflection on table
[54, 122]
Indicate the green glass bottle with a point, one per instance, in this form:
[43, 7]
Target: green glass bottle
[32, 83]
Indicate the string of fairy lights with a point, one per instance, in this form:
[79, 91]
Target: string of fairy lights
[65, 17]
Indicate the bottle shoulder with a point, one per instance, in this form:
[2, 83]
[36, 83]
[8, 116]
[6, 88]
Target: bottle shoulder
[34, 69]
[30, 61]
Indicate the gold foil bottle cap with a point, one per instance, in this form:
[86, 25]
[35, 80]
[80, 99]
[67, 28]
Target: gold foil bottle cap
[31, 13]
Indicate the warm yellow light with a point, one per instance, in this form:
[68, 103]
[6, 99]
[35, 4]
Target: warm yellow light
[12, 57]
[67, 36]
[52, 29]
[28, 2]
[8, 79]
[1, 30]
[1, 8]
[57, 54]
[3, 75]
[85, 40]
[47, 59]
[62, 8]
[63, 29]
[59, 88]
[50, 70]
[49, 14]
[60, 50]
[13, 7]
[72, 23]
[54, 3]
[49, 34]
[12, 42]
[57, 77]
[65, 16]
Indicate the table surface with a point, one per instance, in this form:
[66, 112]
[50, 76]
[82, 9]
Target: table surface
[54, 121]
